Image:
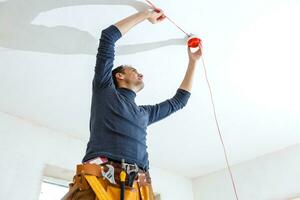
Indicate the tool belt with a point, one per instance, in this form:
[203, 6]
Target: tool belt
[90, 176]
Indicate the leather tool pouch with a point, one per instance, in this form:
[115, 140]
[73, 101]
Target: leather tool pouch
[114, 192]
[81, 190]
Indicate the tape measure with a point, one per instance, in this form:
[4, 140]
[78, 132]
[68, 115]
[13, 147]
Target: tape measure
[192, 41]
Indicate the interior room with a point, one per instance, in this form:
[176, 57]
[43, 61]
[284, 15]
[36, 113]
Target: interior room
[245, 94]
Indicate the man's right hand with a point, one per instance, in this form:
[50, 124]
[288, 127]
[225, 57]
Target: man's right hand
[156, 16]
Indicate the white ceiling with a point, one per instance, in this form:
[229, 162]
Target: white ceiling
[251, 49]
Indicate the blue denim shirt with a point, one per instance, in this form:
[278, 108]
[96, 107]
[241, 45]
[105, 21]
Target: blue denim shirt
[117, 125]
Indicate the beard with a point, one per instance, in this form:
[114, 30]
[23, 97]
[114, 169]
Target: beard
[137, 84]
[140, 85]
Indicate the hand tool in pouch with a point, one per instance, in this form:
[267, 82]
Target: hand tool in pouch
[110, 174]
[132, 171]
[122, 180]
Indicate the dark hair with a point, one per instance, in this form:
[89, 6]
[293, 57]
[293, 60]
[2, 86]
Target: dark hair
[119, 69]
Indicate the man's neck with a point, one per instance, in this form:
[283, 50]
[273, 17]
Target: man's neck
[134, 89]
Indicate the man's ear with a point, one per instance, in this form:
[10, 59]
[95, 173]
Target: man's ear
[120, 76]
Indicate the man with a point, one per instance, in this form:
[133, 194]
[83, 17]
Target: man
[117, 124]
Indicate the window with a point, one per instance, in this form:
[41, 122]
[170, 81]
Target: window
[55, 183]
[53, 189]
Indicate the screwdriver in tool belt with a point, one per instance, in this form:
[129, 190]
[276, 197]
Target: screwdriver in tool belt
[122, 180]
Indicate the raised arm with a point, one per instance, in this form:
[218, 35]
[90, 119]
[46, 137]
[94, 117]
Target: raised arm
[166, 108]
[126, 24]
[105, 57]
[109, 36]
[187, 82]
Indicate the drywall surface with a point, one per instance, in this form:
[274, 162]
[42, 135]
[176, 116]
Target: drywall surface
[27, 149]
[274, 176]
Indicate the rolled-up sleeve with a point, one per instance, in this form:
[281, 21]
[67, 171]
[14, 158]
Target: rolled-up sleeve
[166, 108]
[105, 56]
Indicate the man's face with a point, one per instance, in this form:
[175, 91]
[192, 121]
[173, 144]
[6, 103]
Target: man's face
[132, 77]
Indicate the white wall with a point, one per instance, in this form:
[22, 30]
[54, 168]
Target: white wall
[171, 186]
[275, 176]
[26, 148]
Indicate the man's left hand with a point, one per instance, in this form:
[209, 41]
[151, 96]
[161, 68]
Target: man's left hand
[195, 56]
